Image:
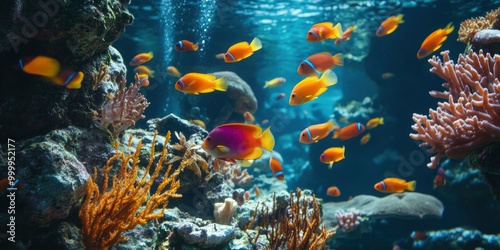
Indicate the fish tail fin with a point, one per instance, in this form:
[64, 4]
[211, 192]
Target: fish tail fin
[76, 81]
[338, 41]
[330, 125]
[337, 31]
[221, 84]
[256, 44]
[381, 121]
[150, 53]
[267, 84]
[152, 74]
[400, 18]
[343, 152]
[196, 47]
[338, 59]
[412, 185]
[335, 134]
[267, 140]
[449, 28]
[329, 78]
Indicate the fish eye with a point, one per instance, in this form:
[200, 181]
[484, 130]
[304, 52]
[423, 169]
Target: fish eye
[208, 138]
[293, 95]
[309, 33]
[177, 83]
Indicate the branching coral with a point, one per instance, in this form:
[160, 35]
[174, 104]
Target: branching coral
[190, 157]
[109, 212]
[470, 27]
[295, 227]
[122, 111]
[471, 117]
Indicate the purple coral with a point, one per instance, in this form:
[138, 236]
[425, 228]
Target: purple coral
[348, 220]
[470, 118]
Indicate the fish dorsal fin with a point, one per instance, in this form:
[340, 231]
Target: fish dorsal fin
[245, 163]
[204, 76]
[324, 24]
[223, 149]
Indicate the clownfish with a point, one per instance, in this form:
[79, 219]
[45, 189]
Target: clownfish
[332, 155]
[349, 131]
[173, 71]
[277, 168]
[319, 63]
[311, 87]
[347, 34]
[249, 118]
[278, 81]
[316, 132]
[141, 58]
[374, 122]
[226, 141]
[40, 65]
[143, 79]
[365, 139]
[389, 25]
[395, 185]
[333, 191]
[196, 83]
[141, 69]
[185, 46]
[7, 185]
[242, 50]
[434, 41]
[51, 69]
[322, 31]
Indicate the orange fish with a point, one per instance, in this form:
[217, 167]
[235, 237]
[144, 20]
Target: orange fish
[365, 139]
[141, 58]
[198, 123]
[389, 25]
[316, 132]
[349, 131]
[311, 87]
[143, 79]
[434, 41]
[347, 34]
[242, 50]
[322, 31]
[319, 63]
[238, 141]
[185, 46]
[220, 56]
[196, 83]
[173, 71]
[418, 235]
[387, 75]
[257, 191]
[374, 122]
[440, 178]
[277, 168]
[395, 185]
[278, 81]
[141, 69]
[5, 185]
[333, 191]
[40, 65]
[68, 78]
[332, 155]
[249, 118]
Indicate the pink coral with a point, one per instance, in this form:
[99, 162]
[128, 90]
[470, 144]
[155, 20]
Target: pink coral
[124, 109]
[348, 220]
[470, 118]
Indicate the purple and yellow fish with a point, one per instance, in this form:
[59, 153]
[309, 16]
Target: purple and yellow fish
[238, 141]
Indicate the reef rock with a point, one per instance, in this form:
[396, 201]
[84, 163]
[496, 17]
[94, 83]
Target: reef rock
[408, 205]
[458, 238]
[173, 123]
[221, 106]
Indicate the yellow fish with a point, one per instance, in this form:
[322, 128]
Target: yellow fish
[311, 87]
[278, 81]
[141, 69]
[374, 122]
[173, 71]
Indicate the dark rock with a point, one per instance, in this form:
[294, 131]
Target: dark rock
[140, 237]
[458, 238]
[209, 236]
[64, 236]
[173, 123]
[487, 40]
[487, 160]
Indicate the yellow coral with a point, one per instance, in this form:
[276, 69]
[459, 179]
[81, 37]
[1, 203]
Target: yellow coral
[470, 27]
[107, 213]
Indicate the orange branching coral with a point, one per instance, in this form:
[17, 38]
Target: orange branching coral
[109, 212]
[296, 227]
[470, 118]
[470, 27]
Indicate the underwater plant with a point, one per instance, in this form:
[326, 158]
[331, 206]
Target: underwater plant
[112, 210]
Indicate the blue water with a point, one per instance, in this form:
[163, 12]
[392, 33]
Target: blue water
[282, 25]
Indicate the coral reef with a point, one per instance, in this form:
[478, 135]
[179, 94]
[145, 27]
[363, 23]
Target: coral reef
[470, 119]
[106, 214]
[122, 110]
[223, 212]
[458, 238]
[470, 27]
[348, 220]
[221, 106]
